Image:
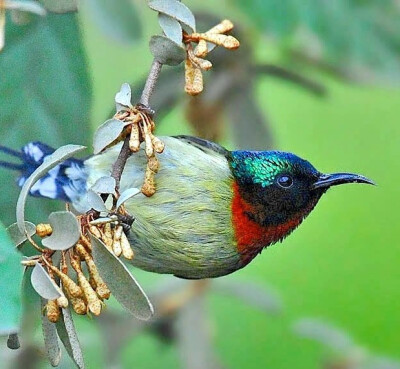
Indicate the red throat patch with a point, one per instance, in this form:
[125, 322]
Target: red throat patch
[252, 237]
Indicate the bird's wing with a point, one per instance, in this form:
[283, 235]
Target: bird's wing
[206, 146]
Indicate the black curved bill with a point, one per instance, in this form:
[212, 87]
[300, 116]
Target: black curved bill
[328, 180]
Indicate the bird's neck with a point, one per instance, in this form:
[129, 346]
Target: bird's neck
[251, 232]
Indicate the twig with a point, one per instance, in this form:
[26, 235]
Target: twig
[288, 75]
[150, 83]
[119, 165]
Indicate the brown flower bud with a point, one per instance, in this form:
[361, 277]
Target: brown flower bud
[127, 251]
[43, 230]
[225, 26]
[229, 42]
[134, 143]
[201, 49]
[193, 79]
[52, 311]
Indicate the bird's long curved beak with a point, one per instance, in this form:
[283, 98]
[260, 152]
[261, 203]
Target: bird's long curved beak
[328, 180]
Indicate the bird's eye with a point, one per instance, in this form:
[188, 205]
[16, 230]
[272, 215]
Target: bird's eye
[285, 181]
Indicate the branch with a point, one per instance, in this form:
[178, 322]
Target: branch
[151, 81]
[125, 153]
[119, 165]
[290, 76]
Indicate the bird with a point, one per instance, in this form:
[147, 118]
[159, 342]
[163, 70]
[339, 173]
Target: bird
[214, 210]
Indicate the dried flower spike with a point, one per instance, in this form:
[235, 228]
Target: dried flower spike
[52, 311]
[62, 302]
[149, 186]
[134, 142]
[106, 236]
[193, 79]
[117, 240]
[127, 251]
[201, 49]
[95, 231]
[68, 284]
[225, 26]
[94, 305]
[228, 42]
[97, 282]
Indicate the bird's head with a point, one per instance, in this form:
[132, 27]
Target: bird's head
[279, 187]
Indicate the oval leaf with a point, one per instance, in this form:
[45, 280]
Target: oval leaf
[95, 201]
[60, 6]
[68, 336]
[107, 133]
[50, 339]
[121, 282]
[167, 51]
[176, 10]
[66, 231]
[52, 160]
[171, 27]
[43, 284]
[123, 97]
[25, 6]
[104, 185]
[16, 236]
[127, 194]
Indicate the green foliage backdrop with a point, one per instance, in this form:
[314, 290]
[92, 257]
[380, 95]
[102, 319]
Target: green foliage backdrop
[342, 264]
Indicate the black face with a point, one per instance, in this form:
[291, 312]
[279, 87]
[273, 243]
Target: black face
[282, 186]
[289, 195]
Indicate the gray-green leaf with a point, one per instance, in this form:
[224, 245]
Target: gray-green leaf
[171, 27]
[66, 231]
[127, 194]
[50, 339]
[104, 185]
[43, 284]
[123, 97]
[10, 281]
[68, 336]
[106, 134]
[167, 51]
[95, 201]
[58, 156]
[16, 236]
[120, 281]
[176, 10]
[60, 6]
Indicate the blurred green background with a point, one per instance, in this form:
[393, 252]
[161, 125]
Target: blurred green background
[342, 264]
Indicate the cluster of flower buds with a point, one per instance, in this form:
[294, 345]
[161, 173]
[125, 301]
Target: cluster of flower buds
[141, 127]
[77, 276]
[195, 62]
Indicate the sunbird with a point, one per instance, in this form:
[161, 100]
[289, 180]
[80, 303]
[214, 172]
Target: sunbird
[214, 209]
